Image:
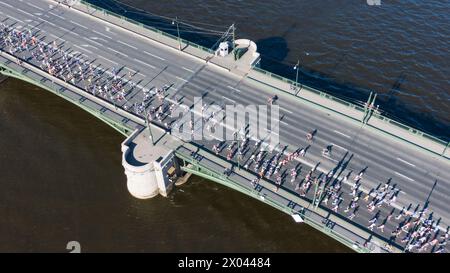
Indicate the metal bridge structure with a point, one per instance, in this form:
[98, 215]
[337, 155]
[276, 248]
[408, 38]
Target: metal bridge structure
[396, 159]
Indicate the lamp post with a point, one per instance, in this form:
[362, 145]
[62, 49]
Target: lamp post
[297, 68]
[178, 32]
[148, 125]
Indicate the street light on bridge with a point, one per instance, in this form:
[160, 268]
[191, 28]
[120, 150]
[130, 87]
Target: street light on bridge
[178, 32]
[297, 68]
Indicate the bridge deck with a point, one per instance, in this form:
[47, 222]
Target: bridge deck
[421, 177]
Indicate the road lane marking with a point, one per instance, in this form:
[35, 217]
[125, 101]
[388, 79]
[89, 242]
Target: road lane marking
[290, 112]
[180, 78]
[27, 13]
[83, 49]
[75, 23]
[99, 33]
[155, 56]
[118, 52]
[229, 99]
[50, 23]
[16, 19]
[90, 46]
[187, 69]
[235, 89]
[342, 134]
[109, 30]
[8, 5]
[284, 122]
[34, 6]
[125, 44]
[60, 17]
[56, 37]
[338, 146]
[66, 30]
[149, 65]
[87, 39]
[406, 162]
[404, 176]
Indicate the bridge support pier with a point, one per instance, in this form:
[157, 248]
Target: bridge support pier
[2, 78]
[150, 169]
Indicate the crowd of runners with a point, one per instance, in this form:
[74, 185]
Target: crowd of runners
[376, 208]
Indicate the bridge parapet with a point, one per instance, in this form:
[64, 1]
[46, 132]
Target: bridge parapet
[351, 111]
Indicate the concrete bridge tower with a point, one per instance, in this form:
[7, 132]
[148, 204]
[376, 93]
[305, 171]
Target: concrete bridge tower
[147, 166]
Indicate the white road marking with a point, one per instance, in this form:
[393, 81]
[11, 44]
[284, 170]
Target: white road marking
[27, 13]
[187, 69]
[153, 55]
[66, 30]
[83, 49]
[284, 122]
[54, 14]
[8, 5]
[109, 30]
[290, 112]
[96, 38]
[87, 39]
[149, 65]
[235, 89]
[404, 176]
[56, 37]
[90, 46]
[334, 160]
[99, 33]
[34, 6]
[180, 78]
[38, 14]
[338, 146]
[135, 72]
[50, 23]
[406, 162]
[342, 134]
[109, 60]
[229, 99]
[125, 44]
[16, 19]
[118, 52]
[75, 23]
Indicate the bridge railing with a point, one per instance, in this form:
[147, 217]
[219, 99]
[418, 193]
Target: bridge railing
[348, 109]
[306, 214]
[122, 127]
[147, 27]
[377, 120]
[310, 89]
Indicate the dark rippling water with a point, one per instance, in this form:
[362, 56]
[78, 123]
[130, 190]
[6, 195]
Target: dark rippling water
[61, 174]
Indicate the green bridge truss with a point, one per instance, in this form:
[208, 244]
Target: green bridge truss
[121, 127]
[190, 165]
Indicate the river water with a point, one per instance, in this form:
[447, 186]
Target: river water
[61, 174]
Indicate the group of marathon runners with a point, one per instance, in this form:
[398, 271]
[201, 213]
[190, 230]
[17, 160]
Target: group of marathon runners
[415, 229]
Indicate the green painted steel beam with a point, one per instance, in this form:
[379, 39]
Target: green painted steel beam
[202, 171]
[121, 128]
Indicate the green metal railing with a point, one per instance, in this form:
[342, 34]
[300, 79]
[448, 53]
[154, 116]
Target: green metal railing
[347, 104]
[121, 127]
[142, 25]
[406, 128]
[310, 89]
[204, 171]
